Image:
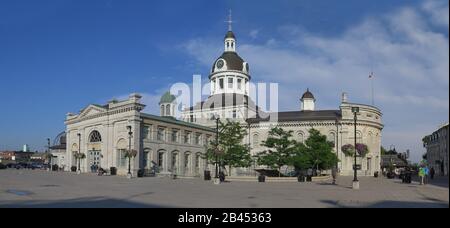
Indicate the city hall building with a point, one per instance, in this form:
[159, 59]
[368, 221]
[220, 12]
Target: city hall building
[176, 145]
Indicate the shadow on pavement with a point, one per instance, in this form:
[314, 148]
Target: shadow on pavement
[90, 202]
[387, 204]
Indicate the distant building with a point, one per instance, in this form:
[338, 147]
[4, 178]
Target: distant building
[15, 156]
[58, 150]
[437, 150]
[26, 148]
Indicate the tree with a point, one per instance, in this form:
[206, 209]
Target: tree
[318, 151]
[383, 151]
[280, 149]
[233, 153]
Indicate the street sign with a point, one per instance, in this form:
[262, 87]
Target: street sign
[358, 167]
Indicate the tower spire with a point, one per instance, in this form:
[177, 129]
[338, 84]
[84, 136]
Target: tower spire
[230, 21]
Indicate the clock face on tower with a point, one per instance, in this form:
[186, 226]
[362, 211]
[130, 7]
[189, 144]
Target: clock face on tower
[220, 64]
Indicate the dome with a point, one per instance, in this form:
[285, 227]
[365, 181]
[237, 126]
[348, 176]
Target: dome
[308, 95]
[167, 98]
[233, 61]
[230, 34]
[60, 139]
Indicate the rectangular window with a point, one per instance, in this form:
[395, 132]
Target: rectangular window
[174, 135]
[230, 83]
[146, 134]
[221, 83]
[187, 136]
[239, 83]
[160, 134]
[197, 139]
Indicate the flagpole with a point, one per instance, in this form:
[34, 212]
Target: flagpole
[371, 80]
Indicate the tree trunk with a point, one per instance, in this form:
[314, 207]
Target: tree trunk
[229, 170]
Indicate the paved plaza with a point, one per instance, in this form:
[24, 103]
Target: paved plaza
[36, 188]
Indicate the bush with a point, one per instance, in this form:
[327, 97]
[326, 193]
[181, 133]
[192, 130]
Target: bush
[73, 168]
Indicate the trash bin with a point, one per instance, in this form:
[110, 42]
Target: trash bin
[113, 171]
[261, 178]
[140, 173]
[309, 178]
[376, 174]
[207, 175]
[301, 178]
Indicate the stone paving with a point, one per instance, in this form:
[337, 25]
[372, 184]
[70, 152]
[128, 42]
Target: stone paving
[35, 188]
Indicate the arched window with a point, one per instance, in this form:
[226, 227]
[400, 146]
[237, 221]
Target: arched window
[121, 151]
[332, 138]
[301, 137]
[358, 137]
[161, 159]
[255, 140]
[168, 110]
[95, 137]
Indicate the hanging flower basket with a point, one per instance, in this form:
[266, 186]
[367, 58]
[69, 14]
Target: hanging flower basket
[131, 154]
[349, 150]
[79, 155]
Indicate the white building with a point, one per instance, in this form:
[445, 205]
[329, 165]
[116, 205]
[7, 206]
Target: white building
[164, 144]
[230, 99]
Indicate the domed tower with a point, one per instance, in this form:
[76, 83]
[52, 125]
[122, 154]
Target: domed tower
[167, 105]
[230, 73]
[308, 101]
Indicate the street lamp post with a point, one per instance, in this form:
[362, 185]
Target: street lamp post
[217, 147]
[130, 134]
[355, 111]
[49, 156]
[79, 153]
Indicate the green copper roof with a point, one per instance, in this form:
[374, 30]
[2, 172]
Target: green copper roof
[167, 98]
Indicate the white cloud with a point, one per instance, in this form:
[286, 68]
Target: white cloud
[407, 52]
[254, 33]
[439, 11]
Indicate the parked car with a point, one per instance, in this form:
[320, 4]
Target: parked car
[3, 166]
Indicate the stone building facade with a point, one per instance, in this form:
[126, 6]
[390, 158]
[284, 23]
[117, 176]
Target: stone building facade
[102, 133]
[436, 145]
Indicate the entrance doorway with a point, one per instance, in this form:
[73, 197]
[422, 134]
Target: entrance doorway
[94, 160]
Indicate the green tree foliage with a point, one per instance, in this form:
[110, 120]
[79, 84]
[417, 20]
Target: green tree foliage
[280, 149]
[232, 151]
[316, 153]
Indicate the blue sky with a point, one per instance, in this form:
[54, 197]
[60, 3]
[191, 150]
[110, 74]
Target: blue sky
[58, 56]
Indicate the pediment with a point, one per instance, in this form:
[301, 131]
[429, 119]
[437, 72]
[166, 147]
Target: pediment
[92, 110]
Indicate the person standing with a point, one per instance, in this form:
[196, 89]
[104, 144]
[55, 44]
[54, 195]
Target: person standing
[432, 172]
[421, 175]
[334, 174]
[427, 173]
